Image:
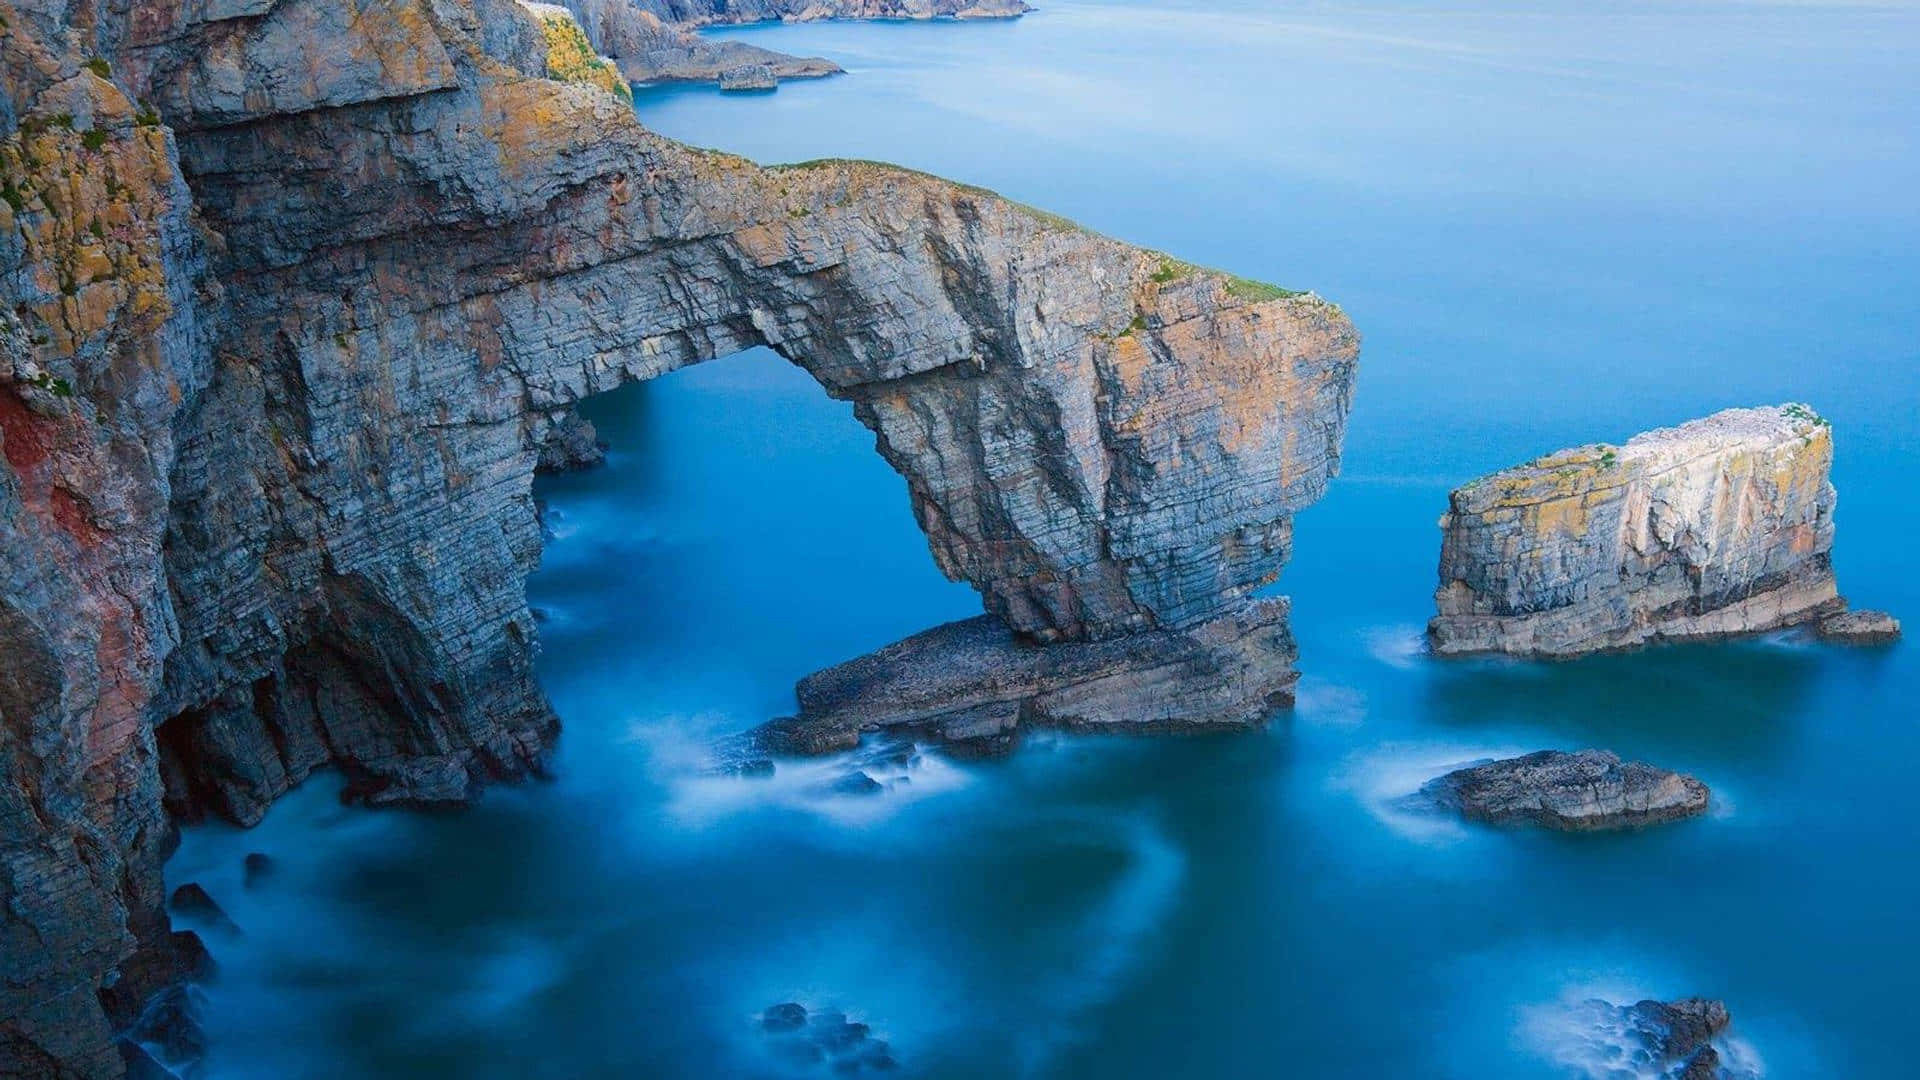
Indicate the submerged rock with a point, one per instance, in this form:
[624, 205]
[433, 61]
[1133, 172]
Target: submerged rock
[171, 1030]
[1587, 790]
[751, 77]
[194, 902]
[787, 1016]
[825, 1040]
[1718, 527]
[856, 783]
[1859, 628]
[256, 868]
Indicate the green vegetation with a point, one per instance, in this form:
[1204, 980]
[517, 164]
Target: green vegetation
[99, 66]
[94, 140]
[1608, 458]
[147, 116]
[1249, 289]
[13, 197]
[570, 57]
[1797, 411]
[1172, 270]
[54, 386]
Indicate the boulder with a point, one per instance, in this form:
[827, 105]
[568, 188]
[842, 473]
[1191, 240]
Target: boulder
[1583, 791]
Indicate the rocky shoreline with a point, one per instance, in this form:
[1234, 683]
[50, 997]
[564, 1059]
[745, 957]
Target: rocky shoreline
[656, 41]
[287, 326]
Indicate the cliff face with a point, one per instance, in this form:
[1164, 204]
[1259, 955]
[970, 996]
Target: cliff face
[282, 348]
[654, 40]
[1719, 526]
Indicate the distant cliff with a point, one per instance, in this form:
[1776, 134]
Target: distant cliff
[291, 293]
[1717, 527]
[653, 41]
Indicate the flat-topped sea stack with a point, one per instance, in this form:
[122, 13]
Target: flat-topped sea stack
[1721, 526]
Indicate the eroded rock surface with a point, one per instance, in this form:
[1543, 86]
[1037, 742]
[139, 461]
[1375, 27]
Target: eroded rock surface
[1583, 791]
[1718, 527]
[973, 685]
[1859, 628]
[571, 444]
[1677, 1039]
[280, 350]
[748, 77]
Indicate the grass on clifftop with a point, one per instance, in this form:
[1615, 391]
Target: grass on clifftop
[1171, 269]
[570, 56]
[1046, 217]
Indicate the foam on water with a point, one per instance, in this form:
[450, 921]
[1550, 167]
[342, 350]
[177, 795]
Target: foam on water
[1401, 647]
[1585, 1033]
[1383, 777]
[1318, 701]
[1117, 934]
[809, 786]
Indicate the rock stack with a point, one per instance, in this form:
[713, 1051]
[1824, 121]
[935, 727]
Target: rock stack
[1718, 527]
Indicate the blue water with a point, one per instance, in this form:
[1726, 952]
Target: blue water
[1553, 223]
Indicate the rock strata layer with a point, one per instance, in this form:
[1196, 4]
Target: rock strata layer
[1718, 527]
[1859, 628]
[1584, 791]
[279, 349]
[974, 685]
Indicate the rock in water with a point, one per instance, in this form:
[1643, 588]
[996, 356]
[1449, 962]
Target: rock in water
[171, 1030]
[751, 77]
[1718, 527]
[973, 685]
[269, 440]
[194, 902]
[571, 445]
[826, 1039]
[256, 868]
[1679, 1036]
[1587, 790]
[787, 1016]
[1859, 628]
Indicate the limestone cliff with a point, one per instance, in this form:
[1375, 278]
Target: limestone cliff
[294, 291]
[1720, 526]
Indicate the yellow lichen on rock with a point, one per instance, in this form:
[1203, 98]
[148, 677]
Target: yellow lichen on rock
[571, 57]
